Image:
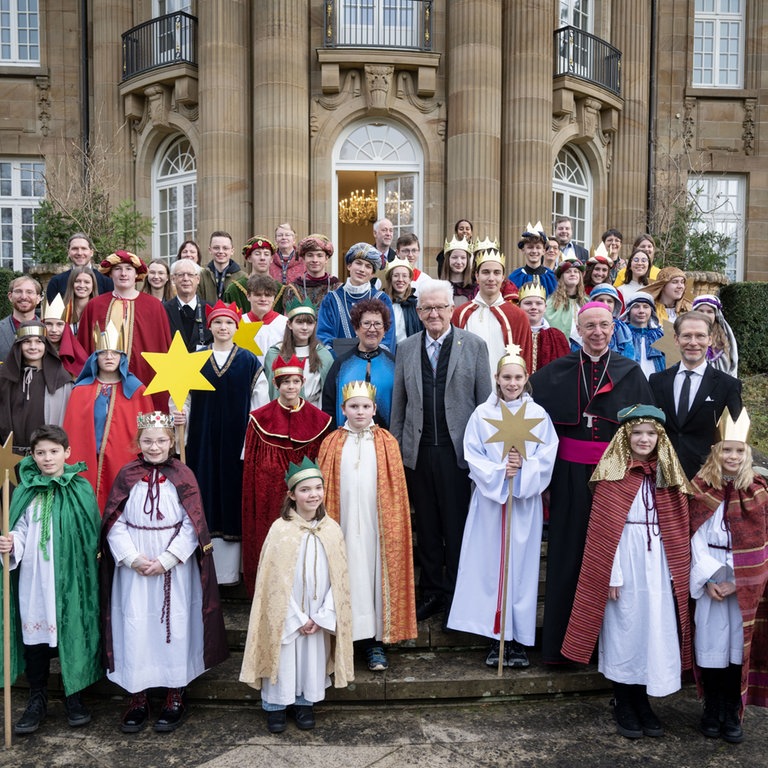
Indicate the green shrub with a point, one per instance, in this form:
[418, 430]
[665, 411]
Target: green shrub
[6, 275]
[745, 306]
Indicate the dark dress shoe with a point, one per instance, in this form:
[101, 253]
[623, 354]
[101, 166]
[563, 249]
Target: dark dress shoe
[34, 714]
[429, 606]
[276, 721]
[731, 729]
[173, 712]
[305, 717]
[137, 714]
[77, 712]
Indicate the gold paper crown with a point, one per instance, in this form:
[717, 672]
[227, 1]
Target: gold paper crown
[531, 288]
[489, 255]
[111, 338]
[457, 244]
[601, 254]
[298, 472]
[29, 329]
[398, 262]
[728, 429]
[511, 355]
[56, 310]
[154, 419]
[486, 245]
[358, 389]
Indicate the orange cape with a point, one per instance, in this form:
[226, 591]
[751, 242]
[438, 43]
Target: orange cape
[394, 526]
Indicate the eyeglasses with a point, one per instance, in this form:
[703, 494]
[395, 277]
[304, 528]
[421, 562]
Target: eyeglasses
[161, 442]
[372, 324]
[437, 308]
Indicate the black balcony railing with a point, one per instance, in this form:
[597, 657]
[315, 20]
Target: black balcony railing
[169, 39]
[582, 55]
[378, 24]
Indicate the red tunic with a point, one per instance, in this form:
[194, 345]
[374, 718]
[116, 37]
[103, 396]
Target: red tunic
[548, 345]
[146, 330]
[275, 436]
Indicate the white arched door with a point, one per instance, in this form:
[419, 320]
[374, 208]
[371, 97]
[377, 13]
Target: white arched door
[385, 158]
[572, 193]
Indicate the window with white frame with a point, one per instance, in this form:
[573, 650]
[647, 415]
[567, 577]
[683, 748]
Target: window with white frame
[389, 23]
[22, 187]
[20, 32]
[576, 13]
[718, 44]
[572, 192]
[720, 201]
[175, 197]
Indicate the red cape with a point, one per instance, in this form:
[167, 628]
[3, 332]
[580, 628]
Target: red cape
[147, 330]
[117, 447]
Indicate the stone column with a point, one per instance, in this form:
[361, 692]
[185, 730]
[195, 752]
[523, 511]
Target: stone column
[526, 190]
[281, 180]
[473, 144]
[223, 184]
[110, 135]
[627, 180]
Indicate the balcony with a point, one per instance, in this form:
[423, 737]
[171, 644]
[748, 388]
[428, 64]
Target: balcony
[586, 57]
[166, 40]
[393, 24]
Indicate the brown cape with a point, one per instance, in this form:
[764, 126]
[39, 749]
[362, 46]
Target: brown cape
[215, 648]
[394, 511]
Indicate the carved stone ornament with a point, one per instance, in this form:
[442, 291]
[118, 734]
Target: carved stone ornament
[378, 82]
[689, 121]
[43, 84]
[748, 127]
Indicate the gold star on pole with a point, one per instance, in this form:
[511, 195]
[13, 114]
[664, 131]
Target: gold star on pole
[177, 371]
[8, 460]
[666, 344]
[245, 336]
[513, 429]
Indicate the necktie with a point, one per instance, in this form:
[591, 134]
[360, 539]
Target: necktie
[685, 396]
[434, 354]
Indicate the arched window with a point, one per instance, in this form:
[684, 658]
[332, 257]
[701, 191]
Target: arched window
[572, 192]
[386, 159]
[175, 197]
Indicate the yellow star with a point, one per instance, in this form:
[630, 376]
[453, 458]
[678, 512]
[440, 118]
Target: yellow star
[177, 371]
[245, 336]
[8, 460]
[666, 344]
[513, 429]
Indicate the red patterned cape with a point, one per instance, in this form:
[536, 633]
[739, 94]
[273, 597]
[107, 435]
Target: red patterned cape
[611, 502]
[748, 519]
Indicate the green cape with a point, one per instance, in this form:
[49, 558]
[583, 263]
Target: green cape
[75, 523]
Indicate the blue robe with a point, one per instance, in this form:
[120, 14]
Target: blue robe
[216, 435]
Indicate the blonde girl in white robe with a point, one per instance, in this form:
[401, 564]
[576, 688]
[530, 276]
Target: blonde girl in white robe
[503, 485]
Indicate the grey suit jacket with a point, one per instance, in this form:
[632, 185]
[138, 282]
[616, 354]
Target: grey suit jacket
[466, 387]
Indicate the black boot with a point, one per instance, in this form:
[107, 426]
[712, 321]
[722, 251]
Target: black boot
[731, 729]
[627, 722]
[77, 712]
[709, 725]
[173, 713]
[650, 723]
[34, 714]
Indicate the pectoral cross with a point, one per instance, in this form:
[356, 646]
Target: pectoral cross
[588, 417]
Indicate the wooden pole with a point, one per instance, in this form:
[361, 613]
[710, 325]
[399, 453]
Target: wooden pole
[505, 575]
[182, 445]
[7, 613]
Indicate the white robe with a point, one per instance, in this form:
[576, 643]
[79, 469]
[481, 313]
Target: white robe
[483, 323]
[639, 642]
[143, 657]
[37, 580]
[303, 658]
[359, 520]
[478, 583]
[718, 625]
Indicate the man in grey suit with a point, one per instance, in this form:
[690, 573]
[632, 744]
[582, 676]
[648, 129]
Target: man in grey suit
[441, 376]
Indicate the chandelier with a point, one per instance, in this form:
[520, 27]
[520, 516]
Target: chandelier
[358, 208]
[398, 210]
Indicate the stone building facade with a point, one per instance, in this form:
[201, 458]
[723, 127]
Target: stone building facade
[242, 115]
